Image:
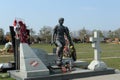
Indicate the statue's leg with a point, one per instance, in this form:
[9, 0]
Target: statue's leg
[59, 52]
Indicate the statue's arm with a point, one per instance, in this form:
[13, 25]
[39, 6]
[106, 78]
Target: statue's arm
[54, 34]
[68, 35]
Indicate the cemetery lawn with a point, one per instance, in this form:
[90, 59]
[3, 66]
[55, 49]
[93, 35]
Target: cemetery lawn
[110, 53]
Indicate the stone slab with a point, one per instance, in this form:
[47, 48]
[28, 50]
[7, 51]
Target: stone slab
[41, 54]
[47, 59]
[78, 73]
[82, 64]
[51, 59]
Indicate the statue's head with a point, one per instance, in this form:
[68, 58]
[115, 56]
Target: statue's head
[61, 21]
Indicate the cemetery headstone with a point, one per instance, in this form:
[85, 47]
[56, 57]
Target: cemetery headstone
[97, 64]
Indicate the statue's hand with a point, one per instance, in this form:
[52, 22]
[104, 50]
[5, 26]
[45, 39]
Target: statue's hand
[71, 44]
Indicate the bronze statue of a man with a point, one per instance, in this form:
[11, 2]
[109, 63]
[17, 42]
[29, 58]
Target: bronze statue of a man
[58, 38]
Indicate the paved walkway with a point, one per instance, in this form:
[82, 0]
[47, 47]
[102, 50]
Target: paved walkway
[103, 77]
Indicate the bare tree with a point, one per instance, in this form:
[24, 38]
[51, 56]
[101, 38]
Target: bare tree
[83, 33]
[32, 32]
[110, 34]
[117, 33]
[46, 33]
[32, 35]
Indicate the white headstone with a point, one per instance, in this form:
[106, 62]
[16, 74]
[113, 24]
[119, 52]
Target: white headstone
[97, 64]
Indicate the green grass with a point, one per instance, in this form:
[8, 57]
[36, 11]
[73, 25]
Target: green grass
[5, 76]
[114, 63]
[84, 52]
[6, 59]
[1, 46]
[47, 47]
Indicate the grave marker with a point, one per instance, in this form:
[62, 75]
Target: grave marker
[97, 64]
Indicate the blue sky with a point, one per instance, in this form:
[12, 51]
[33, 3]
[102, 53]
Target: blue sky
[91, 14]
